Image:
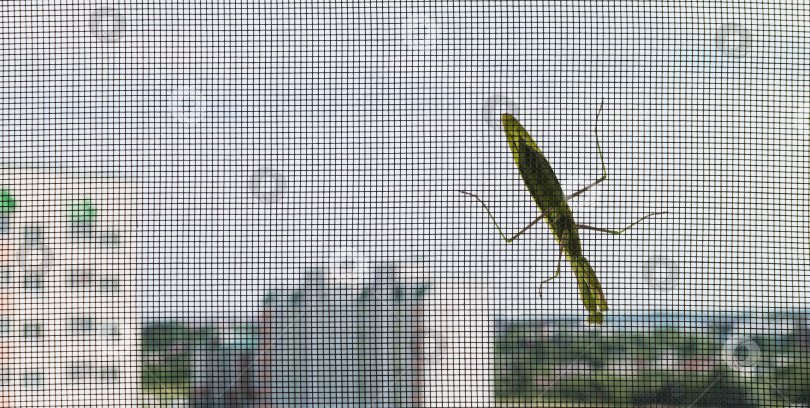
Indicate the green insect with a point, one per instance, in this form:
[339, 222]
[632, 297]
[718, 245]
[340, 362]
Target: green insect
[547, 193]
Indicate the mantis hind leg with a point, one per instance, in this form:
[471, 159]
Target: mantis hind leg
[601, 158]
[617, 232]
[601, 179]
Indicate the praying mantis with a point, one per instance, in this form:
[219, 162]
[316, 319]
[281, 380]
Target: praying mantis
[547, 193]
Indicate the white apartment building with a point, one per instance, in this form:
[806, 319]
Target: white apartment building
[68, 317]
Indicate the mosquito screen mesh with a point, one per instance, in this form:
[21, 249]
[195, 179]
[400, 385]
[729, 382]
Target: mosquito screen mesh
[404, 204]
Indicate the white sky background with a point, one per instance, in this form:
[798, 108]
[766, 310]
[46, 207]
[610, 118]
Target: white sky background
[267, 138]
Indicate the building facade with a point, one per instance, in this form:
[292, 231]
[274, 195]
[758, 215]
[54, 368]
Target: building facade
[390, 338]
[68, 317]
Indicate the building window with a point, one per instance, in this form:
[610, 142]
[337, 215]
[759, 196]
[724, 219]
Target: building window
[33, 283]
[33, 235]
[5, 327]
[81, 326]
[88, 371]
[108, 373]
[109, 330]
[5, 276]
[109, 283]
[32, 331]
[80, 371]
[31, 379]
[110, 239]
[5, 377]
[80, 278]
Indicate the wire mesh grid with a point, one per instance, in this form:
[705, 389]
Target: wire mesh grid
[279, 204]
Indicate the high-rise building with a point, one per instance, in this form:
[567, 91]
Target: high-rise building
[68, 317]
[382, 336]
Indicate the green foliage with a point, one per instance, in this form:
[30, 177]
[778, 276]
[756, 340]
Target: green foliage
[645, 388]
[691, 345]
[556, 364]
[82, 211]
[791, 382]
[172, 343]
[722, 388]
[517, 354]
[7, 202]
[161, 335]
[175, 372]
[610, 346]
[579, 388]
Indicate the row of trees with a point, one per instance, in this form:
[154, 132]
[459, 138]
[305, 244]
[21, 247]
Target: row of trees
[556, 361]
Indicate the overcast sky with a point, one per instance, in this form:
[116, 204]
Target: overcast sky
[270, 139]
